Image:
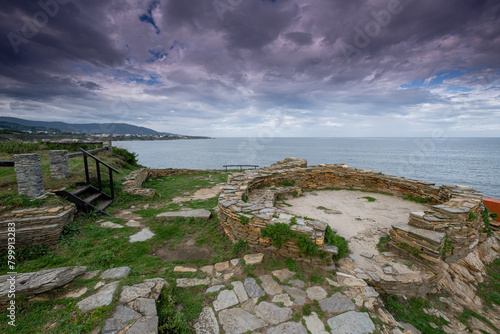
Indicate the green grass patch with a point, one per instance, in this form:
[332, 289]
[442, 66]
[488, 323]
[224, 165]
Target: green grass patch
[383, 242]
[244, 220]
[416, 199]
[288, 183]
[472, 216]
[178, 309]
[370, 199]
[412, 311]
[486, 219]
[331, 238]
[489, 289]
[279, 233]
[465, 316]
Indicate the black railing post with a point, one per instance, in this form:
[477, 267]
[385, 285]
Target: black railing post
[87, 176]
[111, 185]
[99, 183]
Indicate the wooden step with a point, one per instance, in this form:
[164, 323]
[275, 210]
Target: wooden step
[104, 205]
[81, 190]
[93, 197]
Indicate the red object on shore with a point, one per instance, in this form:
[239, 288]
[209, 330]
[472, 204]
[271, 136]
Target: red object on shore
[493, 205]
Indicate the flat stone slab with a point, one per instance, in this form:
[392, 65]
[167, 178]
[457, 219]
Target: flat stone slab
[207, 323]
[180, 269]
[145, 306]
[225, 299]
[215, 288]
[371, 292]
[103, 297]
[283, 274]
[283, 298]
[299, 296]
[239, 290]
[337, 303]
[253, 289]
[272, 314]
[145, 325]
[209, 270]
[110, 225]
[287, 328]
[352, 323]
[188, 282]
[115, 273]
[253, 258]
[197, 214]
[133, 223]
[38, 282]
[91, 274]
[142, 235]
[121, 318]
[298, 283]
[314, 324]
[433, 237]
[76, 293]
[270, 286]
[316, 293]
[221, 266]
[150, 288]
[238, 321]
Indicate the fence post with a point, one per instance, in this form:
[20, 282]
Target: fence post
[59, 168]
[108, 144]
[29, 174]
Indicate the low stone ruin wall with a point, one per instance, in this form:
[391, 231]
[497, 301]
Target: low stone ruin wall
[35, 226]
[173, 171]
[133, 183]
[450, 227]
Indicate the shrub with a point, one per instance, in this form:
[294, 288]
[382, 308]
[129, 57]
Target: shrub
[288, 183]
[306, 246]
[244, 220]
[279, 234]
[129, 157]
[331, 238]
[416, 199]
[382, 244]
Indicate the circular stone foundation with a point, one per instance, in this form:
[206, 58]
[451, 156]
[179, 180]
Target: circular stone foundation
[447, 228]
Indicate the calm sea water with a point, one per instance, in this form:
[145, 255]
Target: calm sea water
[473, 162]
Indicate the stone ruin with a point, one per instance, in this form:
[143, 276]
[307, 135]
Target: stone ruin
[444, 234]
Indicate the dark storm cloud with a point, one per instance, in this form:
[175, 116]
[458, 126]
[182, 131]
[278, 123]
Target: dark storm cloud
[210, 61]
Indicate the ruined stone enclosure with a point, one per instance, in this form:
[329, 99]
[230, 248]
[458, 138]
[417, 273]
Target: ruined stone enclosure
[446, 230]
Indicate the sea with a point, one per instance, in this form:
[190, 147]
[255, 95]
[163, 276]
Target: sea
[473, 162]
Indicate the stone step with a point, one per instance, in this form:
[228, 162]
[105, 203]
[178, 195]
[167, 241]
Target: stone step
[432, 237]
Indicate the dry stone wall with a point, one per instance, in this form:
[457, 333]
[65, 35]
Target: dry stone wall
[36, 226]
[451, 225]
[133, 183]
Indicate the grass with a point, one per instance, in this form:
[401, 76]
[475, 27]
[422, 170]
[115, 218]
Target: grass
[382, 245]
[412, 311]
[416, 199]
[489, 289]
[331, 238]
[369, 199]
[84, 243]
[467, 314]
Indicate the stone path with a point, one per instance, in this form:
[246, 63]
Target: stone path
[277, 302]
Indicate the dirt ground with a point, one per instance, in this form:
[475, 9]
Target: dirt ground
[356, 219]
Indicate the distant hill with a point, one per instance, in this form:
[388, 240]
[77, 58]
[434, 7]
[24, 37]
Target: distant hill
[89, 128]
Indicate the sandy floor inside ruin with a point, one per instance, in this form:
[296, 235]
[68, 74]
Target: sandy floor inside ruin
[361, 222]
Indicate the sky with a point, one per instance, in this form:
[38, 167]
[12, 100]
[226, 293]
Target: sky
[268, 68]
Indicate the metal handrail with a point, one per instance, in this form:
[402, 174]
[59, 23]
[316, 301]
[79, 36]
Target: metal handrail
[241, 166]
[4, 163]
[97, 162]
[80, 154]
